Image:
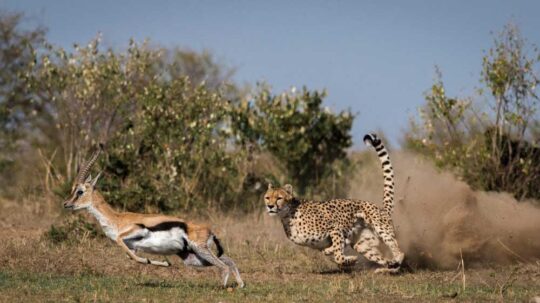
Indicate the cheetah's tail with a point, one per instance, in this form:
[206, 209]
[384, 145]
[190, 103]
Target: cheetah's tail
[388, 171]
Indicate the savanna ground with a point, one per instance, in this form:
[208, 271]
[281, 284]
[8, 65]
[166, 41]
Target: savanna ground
[32, 269]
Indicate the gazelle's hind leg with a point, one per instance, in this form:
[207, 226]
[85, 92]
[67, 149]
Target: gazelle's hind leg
[127, 237]
[367, 245]
[206, 254]
[193, 259]
[234, 269]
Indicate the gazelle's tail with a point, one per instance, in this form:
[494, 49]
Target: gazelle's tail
[218, 246]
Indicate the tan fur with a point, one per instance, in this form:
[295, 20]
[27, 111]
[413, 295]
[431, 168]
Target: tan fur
[198, 233]
[186, 239]
[125, 220]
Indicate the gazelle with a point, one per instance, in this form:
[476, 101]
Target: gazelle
[155, 234]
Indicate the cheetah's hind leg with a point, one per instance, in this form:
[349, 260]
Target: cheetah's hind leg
[389, 239]
[367, 246]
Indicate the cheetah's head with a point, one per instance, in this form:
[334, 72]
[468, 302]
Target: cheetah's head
[278, 199]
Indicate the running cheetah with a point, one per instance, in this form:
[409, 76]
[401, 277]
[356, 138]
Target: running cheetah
[330, 225]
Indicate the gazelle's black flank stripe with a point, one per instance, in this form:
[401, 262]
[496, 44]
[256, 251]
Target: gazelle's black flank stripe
[388, 171]
[166, 226]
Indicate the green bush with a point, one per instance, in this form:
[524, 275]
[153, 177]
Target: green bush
[310, 141]
[173, 151]
[16, 54]
[178, 135]
[493, 146]
[72, 230]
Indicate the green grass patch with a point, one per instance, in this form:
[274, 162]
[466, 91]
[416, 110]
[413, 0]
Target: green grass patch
[339, 287]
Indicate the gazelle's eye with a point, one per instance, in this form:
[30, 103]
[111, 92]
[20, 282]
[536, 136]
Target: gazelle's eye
[79, 193]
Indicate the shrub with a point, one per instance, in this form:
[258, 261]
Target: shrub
[72, 230]
[310, 141]
[16, 54]
[494, 149]
[171, 153]
[174, 129]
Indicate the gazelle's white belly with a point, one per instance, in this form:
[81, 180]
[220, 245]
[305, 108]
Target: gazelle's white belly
[166, 242]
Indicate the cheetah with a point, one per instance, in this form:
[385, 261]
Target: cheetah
[331, 225]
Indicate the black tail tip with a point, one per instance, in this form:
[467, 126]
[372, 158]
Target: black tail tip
[372, 139]
[218, 246]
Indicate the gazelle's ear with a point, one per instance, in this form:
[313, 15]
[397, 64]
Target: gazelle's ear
[88, 179]
[270, 186]
[96, 179]
[288, 188]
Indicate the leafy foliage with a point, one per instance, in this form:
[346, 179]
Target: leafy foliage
[162, 132]
[73, 230]
[171, 122]
[493, 149]
[310, 140]
[173, 151]
[16, 47]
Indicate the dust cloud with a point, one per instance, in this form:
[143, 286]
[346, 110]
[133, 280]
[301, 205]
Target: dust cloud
[440, 220]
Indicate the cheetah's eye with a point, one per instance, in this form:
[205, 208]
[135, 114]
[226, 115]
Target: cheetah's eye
[267, 198]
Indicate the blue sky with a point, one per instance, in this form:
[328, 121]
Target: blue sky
[375, 57]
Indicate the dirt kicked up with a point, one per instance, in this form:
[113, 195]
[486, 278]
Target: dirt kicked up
[441, 220]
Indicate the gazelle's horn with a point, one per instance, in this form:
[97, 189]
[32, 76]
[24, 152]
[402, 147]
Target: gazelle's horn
[86, 167]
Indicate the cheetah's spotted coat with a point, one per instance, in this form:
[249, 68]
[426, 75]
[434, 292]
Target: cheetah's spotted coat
[330, 225]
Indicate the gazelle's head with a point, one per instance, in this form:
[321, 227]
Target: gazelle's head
[278, 199]
[83, 188]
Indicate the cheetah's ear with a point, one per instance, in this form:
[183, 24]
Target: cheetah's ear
[288, 188]
[270, 186]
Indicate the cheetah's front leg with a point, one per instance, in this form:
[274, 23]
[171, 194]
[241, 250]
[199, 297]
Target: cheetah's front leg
[338, 248]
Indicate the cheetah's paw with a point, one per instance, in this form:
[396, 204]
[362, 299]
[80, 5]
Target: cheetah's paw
[328, 251]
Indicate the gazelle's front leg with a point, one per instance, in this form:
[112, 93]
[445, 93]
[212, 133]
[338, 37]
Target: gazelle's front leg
[125, 235]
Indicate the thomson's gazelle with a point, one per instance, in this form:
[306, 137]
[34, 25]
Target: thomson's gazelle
[156, 234]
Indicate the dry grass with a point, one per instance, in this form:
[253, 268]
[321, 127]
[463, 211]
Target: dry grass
[34, 270]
